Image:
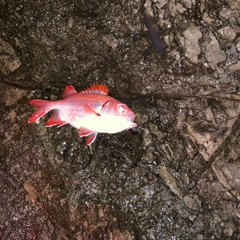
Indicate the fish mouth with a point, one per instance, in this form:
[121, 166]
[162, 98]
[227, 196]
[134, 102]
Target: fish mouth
[132, 125]
[131, 119]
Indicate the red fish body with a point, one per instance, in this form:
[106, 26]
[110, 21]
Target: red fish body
[91, 111]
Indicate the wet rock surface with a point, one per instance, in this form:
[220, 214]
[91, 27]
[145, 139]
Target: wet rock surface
[179, 179]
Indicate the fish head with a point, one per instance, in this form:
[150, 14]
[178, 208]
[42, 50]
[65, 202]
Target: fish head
[120, 114]
[119, 109]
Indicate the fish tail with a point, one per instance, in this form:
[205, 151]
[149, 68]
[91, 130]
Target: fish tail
[44, 106]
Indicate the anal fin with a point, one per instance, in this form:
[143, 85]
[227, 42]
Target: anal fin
[55, 120]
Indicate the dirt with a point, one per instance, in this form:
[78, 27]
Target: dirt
[177, 176]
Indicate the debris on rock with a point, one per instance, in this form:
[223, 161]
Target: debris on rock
[9, 61]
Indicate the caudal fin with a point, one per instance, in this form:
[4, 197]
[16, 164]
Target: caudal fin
[44, 106]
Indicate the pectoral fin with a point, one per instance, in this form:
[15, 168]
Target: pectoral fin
[90, 111]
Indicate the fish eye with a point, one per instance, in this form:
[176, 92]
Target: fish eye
[122, 108]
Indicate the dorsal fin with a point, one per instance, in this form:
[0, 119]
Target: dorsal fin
[97, 88]
[68, 91]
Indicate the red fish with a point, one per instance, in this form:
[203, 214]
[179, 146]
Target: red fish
[91, 111]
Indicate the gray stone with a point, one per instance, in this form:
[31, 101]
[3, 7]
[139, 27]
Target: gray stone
[9, 61]
[191, 38]
[228, 33]
[170, 181]
[191, 202]
[214, 54]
